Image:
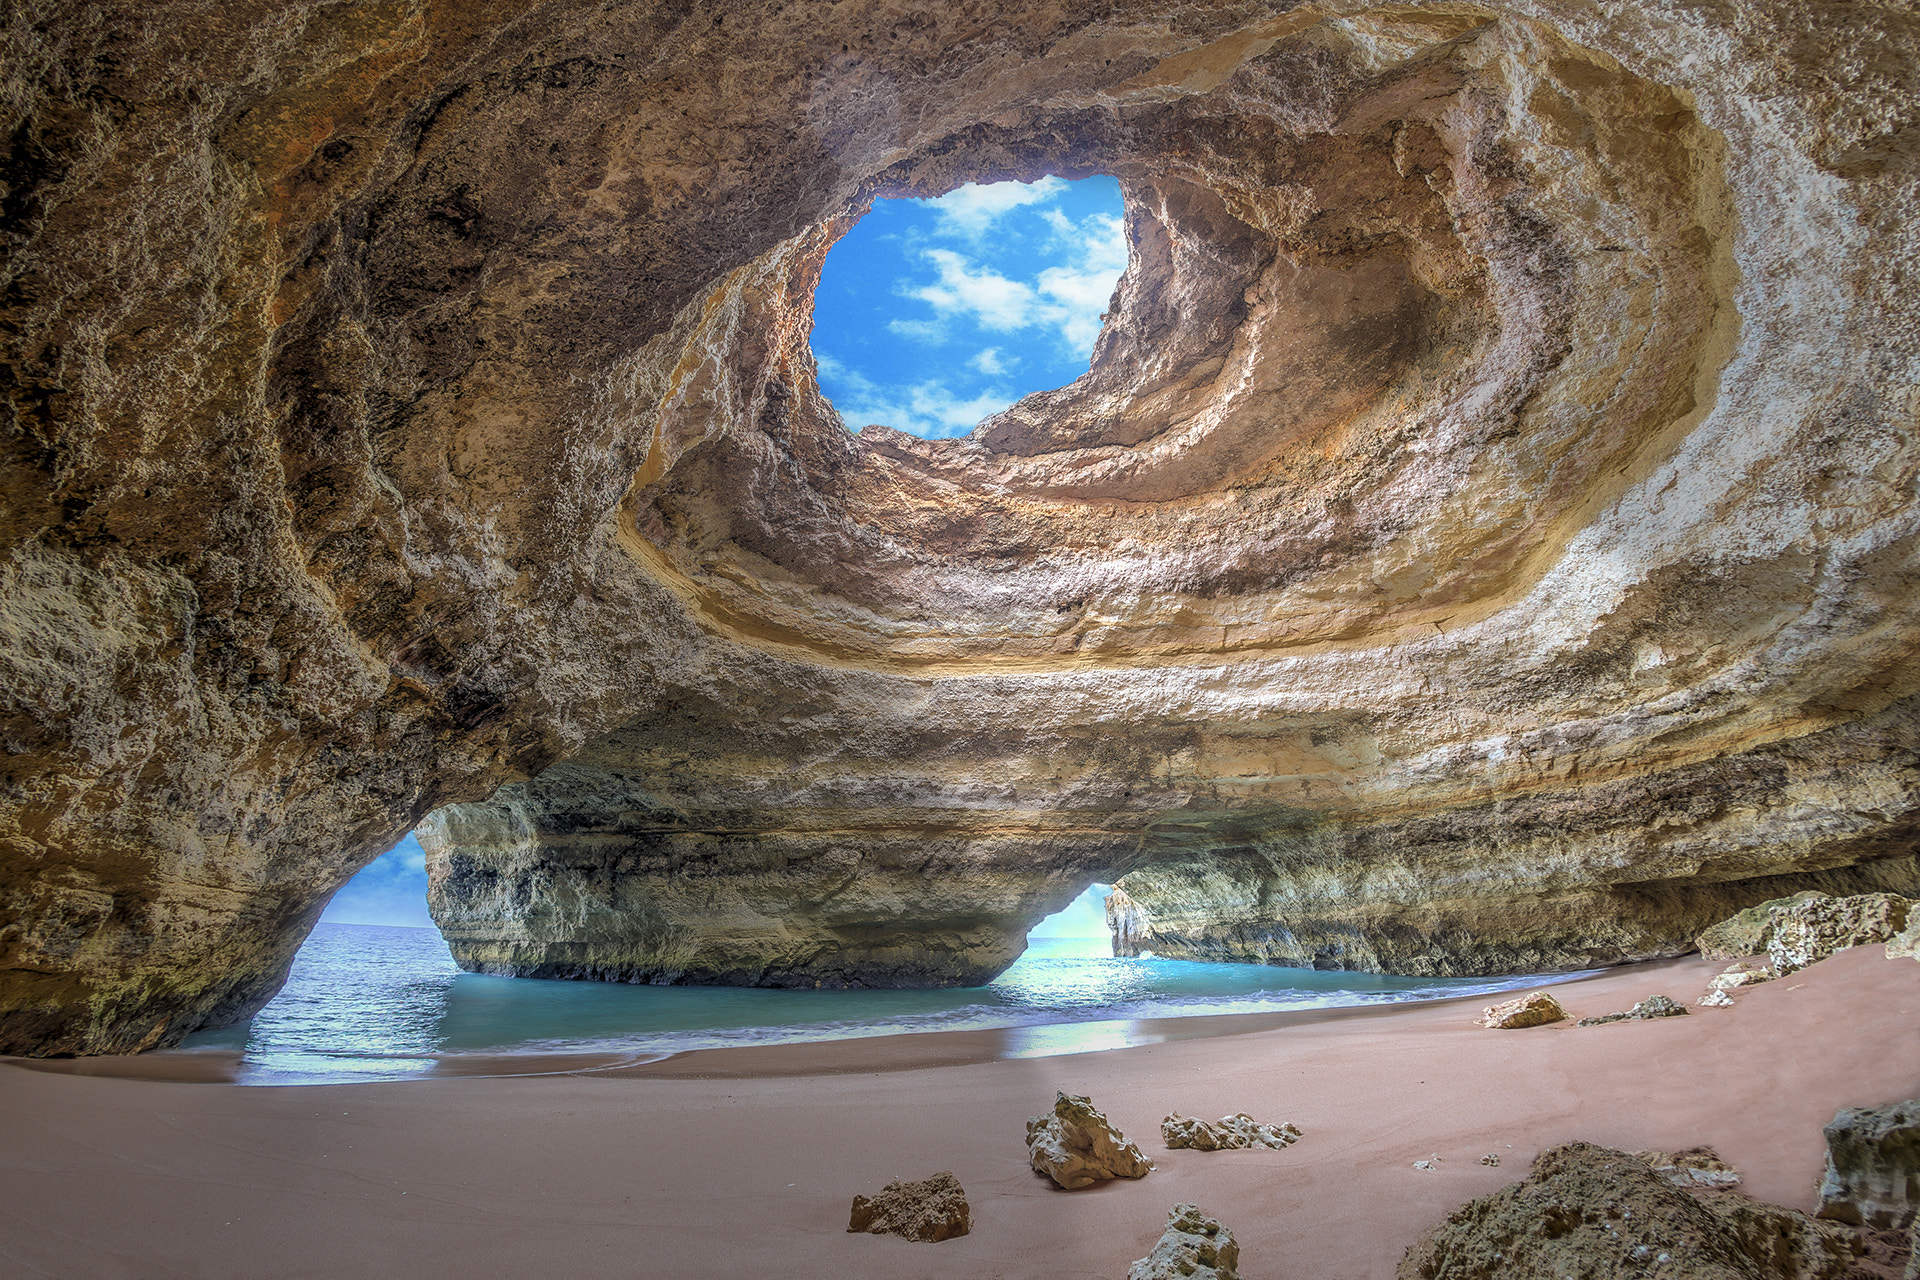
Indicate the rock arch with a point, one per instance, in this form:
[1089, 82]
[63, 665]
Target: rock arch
[1483, 540]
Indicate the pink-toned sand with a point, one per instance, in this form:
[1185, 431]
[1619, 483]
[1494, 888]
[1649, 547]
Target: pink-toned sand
[662, 1173]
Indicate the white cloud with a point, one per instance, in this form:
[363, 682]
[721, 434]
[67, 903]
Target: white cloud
[999, 287]
[929, 409]
[992, 300]
[931, 332]
[1103, 243]
[993, 362]
[1067, 299]
[968, 211]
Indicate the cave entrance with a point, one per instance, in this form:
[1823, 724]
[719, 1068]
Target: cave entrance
[933, 314]
[391, 890]
[1076, 931]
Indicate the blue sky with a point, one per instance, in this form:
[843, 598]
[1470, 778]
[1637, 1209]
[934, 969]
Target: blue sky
[392, 890]
[932, 314]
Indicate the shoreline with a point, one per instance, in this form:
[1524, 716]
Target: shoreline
[717, 1173]
[850, 1055]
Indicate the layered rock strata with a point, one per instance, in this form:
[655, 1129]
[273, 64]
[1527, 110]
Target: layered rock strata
[1484, 538]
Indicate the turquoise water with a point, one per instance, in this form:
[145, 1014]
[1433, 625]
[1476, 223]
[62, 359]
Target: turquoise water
[371, 1002]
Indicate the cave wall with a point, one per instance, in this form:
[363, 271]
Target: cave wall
[1494, 485]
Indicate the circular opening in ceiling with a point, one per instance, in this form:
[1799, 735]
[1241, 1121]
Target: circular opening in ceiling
[933, 314]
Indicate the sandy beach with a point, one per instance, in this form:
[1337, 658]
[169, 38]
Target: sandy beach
[739, 1163]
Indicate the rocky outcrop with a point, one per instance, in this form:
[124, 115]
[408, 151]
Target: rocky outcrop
[1651, 1007]
[1747, 932]
[1694, 1167]
[1535, 1009]
[1482, 541]
[1193, 1247]
[1907, 941]
[1808, 932]
[930, 1210]
[1742, 973]
[1230, 1133]
[1077, 1146]
[1873, 1166]
[1593, 1212]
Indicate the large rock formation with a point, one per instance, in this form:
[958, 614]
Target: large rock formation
[1872, 1176]
[1484, 539]
[1589, 1211]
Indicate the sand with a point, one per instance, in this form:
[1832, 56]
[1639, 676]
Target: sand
[742, 1163]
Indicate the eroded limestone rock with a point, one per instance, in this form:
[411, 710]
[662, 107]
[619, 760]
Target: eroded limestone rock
[1805, 933]
[1873, 1166]
[1694, 1167]
[1747, 932]
[1535, 1009]
[1742, 973]
[930, 1210]
[1907, 941]
[1478, 544]
[1193, 1247]
[1229, 1133]
[1651, 1007]
[1593, 1212]
[1076, 1146]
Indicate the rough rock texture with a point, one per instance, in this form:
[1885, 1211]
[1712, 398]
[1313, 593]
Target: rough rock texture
[1229, 1133]
[1743, 973]
[1193, 1247]
[1535, 1009]
[1747, 932]
[1873, 1166]
[930, 1210]
[1808, 932]
[1694, 1167]
[1651, 1007]
[1077, 1147]
[1595, 1214]
[1715, 1000]
[1907, 941]
[1484, 539]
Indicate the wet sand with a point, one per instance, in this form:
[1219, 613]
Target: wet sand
[742, 1162]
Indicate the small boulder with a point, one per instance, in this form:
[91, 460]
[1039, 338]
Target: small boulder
[1742, 973]
[1193, 1247]
[1694, 1167]
[1077, 1147]
[1746, 934]
[1808, 932]
[1534, 1009]
[1230, 1133]
[1651, 1007]
[1715, 1000]
[1873, 1166]
[1492, 1158]
[1907, 941]
[935, 1209]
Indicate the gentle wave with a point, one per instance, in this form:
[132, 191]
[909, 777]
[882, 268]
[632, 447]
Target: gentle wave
[377, 1003]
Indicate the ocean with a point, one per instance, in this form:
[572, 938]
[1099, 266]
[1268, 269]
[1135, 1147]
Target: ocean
[372, 1002]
